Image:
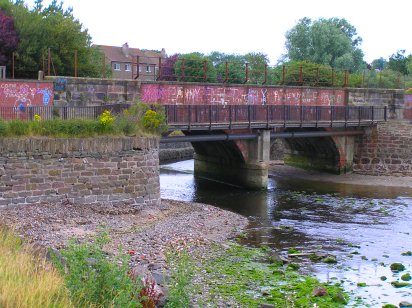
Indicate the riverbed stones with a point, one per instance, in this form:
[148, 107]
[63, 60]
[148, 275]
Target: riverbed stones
[405, 304]
[319, 291]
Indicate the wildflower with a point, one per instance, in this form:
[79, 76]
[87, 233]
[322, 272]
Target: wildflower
[37, 118]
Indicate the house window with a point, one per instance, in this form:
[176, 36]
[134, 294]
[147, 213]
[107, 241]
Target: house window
[116, 66]
[127, 67]
[148, 69]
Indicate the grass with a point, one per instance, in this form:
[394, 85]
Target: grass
[27, 280]
[179, 287]
[137, 120]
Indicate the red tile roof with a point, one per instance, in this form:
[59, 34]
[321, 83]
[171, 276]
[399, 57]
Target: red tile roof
[116, 54]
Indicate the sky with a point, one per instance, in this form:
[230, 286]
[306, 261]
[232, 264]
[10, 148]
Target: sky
[238, 26]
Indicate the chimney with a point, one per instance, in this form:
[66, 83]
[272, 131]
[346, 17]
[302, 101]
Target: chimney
[163, 53]
[125, 50]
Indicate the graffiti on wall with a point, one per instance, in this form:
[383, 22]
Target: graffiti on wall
[239, 95]
[24, 94]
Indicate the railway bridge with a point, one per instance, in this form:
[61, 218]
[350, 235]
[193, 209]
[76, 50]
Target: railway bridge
[231, 127]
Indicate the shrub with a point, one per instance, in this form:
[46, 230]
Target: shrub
[93, 279]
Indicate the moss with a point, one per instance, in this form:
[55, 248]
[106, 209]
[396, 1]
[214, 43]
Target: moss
[398, 284]
[237, 275]
[330, 260]
[406, 277]
[407, 253]
[397, 267]
[389, 306]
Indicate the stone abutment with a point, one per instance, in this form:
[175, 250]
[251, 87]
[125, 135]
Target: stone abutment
[115, 170]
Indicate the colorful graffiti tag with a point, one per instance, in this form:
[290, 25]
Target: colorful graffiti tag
[239, 95]
[17, 96]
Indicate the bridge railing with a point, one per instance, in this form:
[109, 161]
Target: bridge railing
[258, 72]
[213, 117]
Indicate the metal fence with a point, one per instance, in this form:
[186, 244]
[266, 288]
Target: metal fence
[55, 112]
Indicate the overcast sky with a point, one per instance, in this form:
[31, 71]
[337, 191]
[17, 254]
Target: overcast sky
[237, 26]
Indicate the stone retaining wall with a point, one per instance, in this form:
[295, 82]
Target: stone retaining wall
[170, 152]
[385, 150]
[70, 91]
[117, 170]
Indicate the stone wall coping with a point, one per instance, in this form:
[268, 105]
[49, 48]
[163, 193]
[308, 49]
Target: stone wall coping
[70, 146]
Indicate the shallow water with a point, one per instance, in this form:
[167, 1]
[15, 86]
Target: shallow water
[366, 227]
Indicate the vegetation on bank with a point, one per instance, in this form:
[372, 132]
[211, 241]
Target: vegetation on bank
[87, 276]
[252, 276]
[27, 280]
[139, 119]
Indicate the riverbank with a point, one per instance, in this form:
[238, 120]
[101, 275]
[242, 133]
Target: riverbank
[278, 169]
[146, 233]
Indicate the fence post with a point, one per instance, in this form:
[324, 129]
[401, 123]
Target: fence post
[104, 66]
[48, 62]
[247, 71]
[345, 81]
[75, 63]
[183, 69]
[227, 72]
[266, 74]
[12, 67]
[333, 77]
[138, 67]
[159, 73]
[301, 75]
[283, 74]
[204, 70]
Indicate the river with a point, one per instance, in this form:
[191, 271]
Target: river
[367, 228]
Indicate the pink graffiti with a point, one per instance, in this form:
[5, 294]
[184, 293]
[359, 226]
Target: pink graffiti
[239, 95]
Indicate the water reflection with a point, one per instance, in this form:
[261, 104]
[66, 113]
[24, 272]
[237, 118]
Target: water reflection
[364, 227]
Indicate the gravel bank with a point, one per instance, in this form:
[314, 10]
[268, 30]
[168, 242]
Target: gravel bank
[146, 233]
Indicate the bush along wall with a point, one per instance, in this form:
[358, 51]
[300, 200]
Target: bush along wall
[114, 169]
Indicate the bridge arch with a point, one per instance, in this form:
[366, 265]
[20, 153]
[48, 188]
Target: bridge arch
[330, 153]
[238, 162]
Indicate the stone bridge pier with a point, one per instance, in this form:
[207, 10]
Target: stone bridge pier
[240, 162]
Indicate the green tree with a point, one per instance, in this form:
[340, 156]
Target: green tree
[256, 66]
[399, 62]
[53, 27]
[195, 67]
[330, 41]
[379, 64]
[230, 68]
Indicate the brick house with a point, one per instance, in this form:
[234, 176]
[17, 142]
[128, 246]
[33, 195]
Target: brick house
[123, 61]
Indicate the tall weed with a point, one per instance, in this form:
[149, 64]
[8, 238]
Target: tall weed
[180, 288]
[27, 280]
